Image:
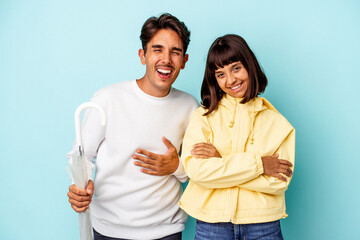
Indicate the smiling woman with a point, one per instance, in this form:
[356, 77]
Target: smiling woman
[231, 64]
[233, 79]
[231, 150]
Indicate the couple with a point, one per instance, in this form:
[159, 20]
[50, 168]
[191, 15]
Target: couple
[233, 150]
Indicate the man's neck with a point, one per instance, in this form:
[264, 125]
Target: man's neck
[151, 90]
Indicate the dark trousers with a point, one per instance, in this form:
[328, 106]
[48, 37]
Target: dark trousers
[99, 236]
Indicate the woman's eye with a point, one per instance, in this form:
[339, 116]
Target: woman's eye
[237, 69]
[219, 75]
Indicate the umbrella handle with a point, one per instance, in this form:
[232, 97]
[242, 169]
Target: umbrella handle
[77, 118]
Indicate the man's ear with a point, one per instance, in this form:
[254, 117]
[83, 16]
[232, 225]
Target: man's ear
[186, 58]
[142, 56]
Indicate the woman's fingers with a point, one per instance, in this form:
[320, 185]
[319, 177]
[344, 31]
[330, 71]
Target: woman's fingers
[285, 162]
[201, 153]
[287, 171]
[284, 167]
[203, 146]
[276, 167]
[204, 150]
[279, 176]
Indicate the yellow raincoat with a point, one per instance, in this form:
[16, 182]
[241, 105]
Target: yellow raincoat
[233, 188]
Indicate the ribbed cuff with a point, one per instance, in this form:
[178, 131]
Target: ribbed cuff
[180, 173]
[180, 170]
[259, 164]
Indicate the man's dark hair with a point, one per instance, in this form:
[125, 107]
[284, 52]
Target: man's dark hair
[225, 50]
[165, 21]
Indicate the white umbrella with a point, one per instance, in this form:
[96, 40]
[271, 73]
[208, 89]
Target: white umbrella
[79, 168]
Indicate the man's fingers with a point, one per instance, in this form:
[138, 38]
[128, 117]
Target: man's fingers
[144, 159]
[90, 187]
[145, 165]
[79, 198]
[147, 153]
[78, 191]
[150, 172]
[79, 210]
[168, 144]
[79, 204]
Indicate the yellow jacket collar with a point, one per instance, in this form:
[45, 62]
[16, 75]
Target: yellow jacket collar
[256, 104]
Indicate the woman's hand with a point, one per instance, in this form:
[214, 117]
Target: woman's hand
[273, 166]
[205, 150]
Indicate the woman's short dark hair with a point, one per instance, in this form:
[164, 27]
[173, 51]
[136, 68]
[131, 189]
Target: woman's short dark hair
[225, 50]
[165, 21]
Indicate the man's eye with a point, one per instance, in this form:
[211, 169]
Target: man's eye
[176, 53]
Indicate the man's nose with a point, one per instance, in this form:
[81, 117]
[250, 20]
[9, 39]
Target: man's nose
[166, 57]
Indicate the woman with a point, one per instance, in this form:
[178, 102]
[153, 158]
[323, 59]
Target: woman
[234, 150]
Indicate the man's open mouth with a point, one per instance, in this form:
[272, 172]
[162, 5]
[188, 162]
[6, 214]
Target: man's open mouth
[164, 72]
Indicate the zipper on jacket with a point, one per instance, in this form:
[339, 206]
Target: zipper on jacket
[233, 202]
[230, 205]
[234, 192]
[235, 148]
[235, 131]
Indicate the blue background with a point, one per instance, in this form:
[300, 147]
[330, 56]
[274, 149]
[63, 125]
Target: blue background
[55, 54]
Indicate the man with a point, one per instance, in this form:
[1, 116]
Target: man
[138, 172]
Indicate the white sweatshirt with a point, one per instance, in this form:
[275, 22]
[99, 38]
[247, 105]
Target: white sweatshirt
[128, 203]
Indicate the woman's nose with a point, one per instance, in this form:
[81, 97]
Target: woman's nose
[231, 79]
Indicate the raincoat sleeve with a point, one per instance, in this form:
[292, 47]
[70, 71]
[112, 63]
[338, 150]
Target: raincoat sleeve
[228, 171]
[273, 185]
[93, 133]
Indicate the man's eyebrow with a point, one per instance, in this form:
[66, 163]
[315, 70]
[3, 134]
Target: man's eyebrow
[160, 46]
[157, 46]
[177, 49]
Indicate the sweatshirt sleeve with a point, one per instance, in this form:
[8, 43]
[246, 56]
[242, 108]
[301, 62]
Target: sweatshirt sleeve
[273, 185]
[180, 173]
[93, 133]
[228, 171]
